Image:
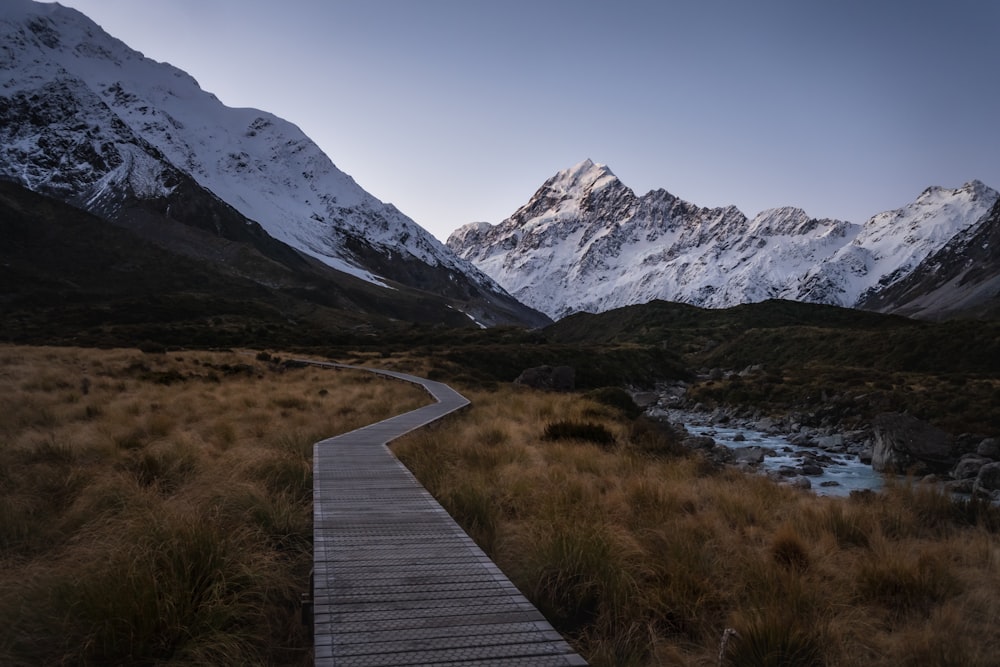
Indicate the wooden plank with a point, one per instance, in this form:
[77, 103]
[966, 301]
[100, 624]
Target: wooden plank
[396, 580]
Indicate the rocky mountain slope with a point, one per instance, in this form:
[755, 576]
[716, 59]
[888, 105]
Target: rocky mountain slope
[586, 242]
[89, 121]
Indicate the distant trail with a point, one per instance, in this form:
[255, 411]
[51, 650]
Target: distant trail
[396, 580]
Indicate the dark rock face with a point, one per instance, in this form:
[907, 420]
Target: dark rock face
[905, 444]
[558, 378]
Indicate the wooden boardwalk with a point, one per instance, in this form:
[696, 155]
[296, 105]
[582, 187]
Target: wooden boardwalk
[396, 581]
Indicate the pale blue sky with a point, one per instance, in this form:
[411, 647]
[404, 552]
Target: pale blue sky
[458, 110]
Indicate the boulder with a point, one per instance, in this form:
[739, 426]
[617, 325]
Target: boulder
[766, 425]
[811, 469]
[904, 444]
[698, 442]
[800, 483]
[645, 399]
[832, 443]
[559, 378]
[968, 467]
[752, 454]
[989, 477]
[963, 486]
[989, 448]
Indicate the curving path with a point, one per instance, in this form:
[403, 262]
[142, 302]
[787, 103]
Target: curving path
[396, 580]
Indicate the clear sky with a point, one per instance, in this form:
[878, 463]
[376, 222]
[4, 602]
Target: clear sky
[458, 110]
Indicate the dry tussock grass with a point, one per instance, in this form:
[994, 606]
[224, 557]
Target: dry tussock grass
[157, 507]
[644, 557]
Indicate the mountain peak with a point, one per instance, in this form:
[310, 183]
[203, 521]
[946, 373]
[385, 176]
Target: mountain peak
[974, 190]
[584, 176]
[583, 244]
[90, 121]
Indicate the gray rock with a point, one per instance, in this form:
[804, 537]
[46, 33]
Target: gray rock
[968, 467]
[739, 437]
[801, 440]
[989, 448]
[833, 443]
[753, 454]
[766, 425]
[865, 455]
[720, 416]
[721, 454]
[964, 486]
[800, 483]
[811, 469]
[645, 399]
[989, 477]
[698, 442]
[905, 444]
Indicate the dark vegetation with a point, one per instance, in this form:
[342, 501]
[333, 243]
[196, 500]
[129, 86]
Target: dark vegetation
[834, 363]
[67, 277]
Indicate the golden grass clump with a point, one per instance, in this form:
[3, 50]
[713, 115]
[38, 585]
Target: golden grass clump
[156, 508]
[643, 555]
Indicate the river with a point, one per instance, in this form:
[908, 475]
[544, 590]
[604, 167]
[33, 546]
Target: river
[841, 473]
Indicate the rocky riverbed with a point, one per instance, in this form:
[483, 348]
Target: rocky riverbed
[832, 459]
[838, 467]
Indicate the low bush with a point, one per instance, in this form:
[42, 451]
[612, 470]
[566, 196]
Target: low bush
[617, 398]
[656, 438]
[775, 638]
[585, 431]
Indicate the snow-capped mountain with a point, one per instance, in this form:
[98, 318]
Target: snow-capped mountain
[90, 121]
[586, 242]
[961, 278]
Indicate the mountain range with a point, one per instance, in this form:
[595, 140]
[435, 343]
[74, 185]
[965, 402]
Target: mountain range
[586, 242]
[88, 121]
[242, 200]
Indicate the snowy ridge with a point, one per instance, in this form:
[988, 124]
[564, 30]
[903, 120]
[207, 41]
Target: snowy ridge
[126, 113]
[586, 242]
[893, 243]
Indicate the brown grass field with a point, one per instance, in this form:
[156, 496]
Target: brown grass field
[643, 555]
[155, 509]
